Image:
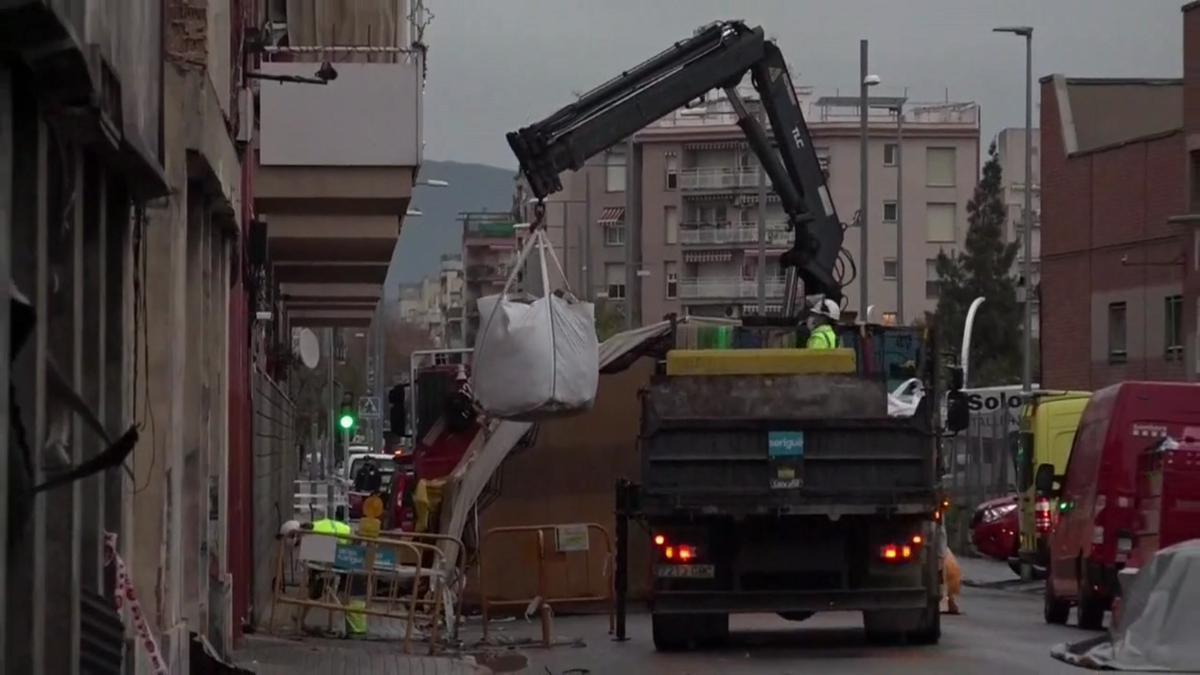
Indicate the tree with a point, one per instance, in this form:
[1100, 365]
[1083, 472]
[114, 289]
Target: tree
[984, 268]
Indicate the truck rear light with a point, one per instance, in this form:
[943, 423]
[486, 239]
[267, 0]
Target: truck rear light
[1041, 515]
[918, 539]
[896, 553]
[659, 540]
[682, 553]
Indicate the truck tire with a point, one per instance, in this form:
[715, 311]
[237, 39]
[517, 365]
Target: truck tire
[1054, 611]
[796, 616]
[674, 632]
[1091, 606]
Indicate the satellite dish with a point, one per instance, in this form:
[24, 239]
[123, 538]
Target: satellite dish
[309, 350]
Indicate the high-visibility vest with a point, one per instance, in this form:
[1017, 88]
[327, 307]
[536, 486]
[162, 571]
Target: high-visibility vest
[822, 338]
[334, 527]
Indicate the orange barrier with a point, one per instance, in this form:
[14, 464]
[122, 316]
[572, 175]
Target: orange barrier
[332, 564]
[538, 533]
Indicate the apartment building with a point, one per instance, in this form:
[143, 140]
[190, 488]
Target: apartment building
[696, 225]
[1010, 147]
[489, 243]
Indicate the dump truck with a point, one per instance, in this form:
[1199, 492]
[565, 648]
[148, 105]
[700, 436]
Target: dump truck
[775, 480]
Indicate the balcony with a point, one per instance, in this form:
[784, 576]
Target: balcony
[718, 178]
[727, 234]
[727, 287]
[334, 181]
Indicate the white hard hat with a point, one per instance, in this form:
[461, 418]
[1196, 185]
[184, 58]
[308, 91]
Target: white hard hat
[289, 527]
[828, 308]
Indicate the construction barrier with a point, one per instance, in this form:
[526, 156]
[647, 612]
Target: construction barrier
[403, 577]
[568, 538]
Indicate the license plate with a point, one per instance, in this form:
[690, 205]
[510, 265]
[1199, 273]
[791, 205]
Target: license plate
[685, 571]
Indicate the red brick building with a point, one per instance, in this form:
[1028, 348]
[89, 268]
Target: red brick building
[1120, 249]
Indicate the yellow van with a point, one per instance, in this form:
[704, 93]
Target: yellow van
[1047, 431]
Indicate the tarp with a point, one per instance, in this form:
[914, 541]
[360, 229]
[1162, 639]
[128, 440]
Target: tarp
[1160, 612]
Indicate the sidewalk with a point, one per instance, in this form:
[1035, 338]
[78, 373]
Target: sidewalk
[266, 655]
[988, 573]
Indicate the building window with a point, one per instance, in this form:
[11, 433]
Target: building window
[939, 167]
[1116, 333]
[671, 224]
[614, 235]
[671, 274]
[1173, 329]
[614, 172]
[889, 211]
[932, 280]
[672, 171]
[889, 268]
[939, 221]
[614, 279]
[889, 154]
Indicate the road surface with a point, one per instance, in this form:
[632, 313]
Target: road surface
[1001, 631]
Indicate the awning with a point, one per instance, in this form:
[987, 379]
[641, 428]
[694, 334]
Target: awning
[612, 215]
[707, 256]
[714, 145]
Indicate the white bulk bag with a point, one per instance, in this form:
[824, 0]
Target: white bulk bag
[538, 360]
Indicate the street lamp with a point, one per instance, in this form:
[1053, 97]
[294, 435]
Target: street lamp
[414, 213]
[1027, 220]
[866, 81]
[433, 182]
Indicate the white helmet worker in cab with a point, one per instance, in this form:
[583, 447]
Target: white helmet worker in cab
[820, 321]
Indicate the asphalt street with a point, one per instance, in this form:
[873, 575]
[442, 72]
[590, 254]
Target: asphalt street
[1000, 631]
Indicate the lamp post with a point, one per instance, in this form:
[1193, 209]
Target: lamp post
[865, 82]
[1027, 218]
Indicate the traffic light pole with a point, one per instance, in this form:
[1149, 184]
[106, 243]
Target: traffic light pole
[332, 431]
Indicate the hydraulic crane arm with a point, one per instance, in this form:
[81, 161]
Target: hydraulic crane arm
[717, 56]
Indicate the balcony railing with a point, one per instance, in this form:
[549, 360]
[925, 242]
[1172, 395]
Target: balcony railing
[718, 178]
[727, 287]
[737, 233]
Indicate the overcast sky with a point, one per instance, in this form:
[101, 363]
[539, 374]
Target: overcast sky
[495, 65]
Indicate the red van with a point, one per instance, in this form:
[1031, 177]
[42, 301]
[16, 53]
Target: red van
[1098, 515]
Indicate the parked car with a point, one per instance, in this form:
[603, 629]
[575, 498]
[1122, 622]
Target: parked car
[995, 529]
[1097, 501]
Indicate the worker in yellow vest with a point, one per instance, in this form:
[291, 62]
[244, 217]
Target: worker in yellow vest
[820, 322]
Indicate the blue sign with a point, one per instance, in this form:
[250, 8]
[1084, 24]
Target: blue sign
[354, 557]
[785, 444]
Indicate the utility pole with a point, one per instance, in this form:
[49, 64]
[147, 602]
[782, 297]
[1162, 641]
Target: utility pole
[864, 263]
[900, 214]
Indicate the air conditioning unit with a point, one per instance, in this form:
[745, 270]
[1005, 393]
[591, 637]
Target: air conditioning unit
[246, 120]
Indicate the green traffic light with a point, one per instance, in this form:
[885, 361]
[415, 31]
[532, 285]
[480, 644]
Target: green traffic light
[346, 421]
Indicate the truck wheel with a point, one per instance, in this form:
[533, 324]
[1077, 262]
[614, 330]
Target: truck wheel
[1054, 611]
[674, 632]
[1091, 607]
[929, 632]
[796, 616]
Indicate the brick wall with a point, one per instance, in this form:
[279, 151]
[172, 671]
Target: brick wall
[1099, 209]
[187, 34]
